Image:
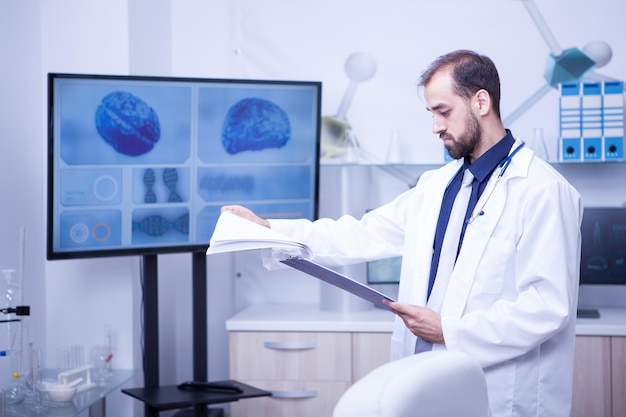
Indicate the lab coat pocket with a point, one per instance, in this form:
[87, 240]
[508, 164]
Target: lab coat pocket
[492, 267]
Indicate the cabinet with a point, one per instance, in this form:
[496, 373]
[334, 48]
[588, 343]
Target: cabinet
[307, 372]
[369, 350]
[592, 377]
[309, 357]
[306, 357]
[599, 378]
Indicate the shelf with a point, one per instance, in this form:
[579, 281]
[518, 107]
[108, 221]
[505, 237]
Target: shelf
[309, 318]
[92, 399]
[340, 163]
[171, 397]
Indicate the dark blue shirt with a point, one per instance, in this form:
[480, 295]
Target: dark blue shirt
[483, 167]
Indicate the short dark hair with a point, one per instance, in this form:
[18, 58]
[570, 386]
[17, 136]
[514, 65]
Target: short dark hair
[470, 73]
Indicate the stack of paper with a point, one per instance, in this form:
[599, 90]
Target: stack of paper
[233, 233]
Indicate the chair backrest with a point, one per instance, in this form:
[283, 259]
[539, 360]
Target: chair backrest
[438, 383]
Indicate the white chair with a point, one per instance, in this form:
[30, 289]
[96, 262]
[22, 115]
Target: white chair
[437, 384]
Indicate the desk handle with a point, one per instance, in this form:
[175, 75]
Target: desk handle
[294, 394]
[290, 345]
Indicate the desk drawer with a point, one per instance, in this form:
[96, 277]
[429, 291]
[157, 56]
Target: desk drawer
[291, 398]
[290, 356]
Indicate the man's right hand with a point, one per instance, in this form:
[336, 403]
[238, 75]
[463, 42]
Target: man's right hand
[246, 213]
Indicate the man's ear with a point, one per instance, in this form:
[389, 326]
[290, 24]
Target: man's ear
[482, 102]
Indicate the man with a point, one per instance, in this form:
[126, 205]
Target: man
[505, 289]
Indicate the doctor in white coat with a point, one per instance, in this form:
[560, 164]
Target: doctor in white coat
[510, 300]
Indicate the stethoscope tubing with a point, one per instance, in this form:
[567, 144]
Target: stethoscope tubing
[503, 165]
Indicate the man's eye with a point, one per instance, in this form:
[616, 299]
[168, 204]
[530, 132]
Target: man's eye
[444, 113]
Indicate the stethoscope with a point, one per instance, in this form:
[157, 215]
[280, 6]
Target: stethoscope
[503, 165]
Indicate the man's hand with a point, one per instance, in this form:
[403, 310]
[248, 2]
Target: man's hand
[421, 321]
[246, 213]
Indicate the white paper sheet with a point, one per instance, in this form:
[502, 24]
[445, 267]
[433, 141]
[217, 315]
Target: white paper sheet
[233, 233]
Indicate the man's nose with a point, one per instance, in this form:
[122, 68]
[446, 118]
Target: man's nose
[438, 126]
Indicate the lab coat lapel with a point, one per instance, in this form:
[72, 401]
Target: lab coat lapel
[477, 236]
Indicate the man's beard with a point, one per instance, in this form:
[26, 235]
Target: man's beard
[466, 144]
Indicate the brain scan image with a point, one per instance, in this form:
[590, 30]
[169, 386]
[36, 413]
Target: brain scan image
[127, 123]
[254, 124]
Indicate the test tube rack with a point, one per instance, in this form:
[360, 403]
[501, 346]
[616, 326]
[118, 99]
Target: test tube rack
[73, 376]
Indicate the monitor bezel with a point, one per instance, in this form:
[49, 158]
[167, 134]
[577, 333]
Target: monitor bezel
[52, 254]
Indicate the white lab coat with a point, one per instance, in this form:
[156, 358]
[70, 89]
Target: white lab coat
[512, 296]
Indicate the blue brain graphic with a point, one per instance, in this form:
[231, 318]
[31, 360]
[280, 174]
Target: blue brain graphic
[127, 123]
[254, 124]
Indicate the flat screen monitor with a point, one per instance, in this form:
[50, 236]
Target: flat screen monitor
[142, 165]
[384, 271]
[603, 254]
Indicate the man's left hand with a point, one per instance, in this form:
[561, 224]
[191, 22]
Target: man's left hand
[421, 321]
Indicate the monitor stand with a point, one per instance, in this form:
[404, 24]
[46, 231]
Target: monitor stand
[200, 411]
[191, 402]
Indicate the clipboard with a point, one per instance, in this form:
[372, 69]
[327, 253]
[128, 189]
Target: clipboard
[338, 280]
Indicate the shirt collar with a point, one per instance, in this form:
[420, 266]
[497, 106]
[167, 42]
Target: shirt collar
[487, 163]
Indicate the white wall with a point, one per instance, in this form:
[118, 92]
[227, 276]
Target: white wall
[22, 156]
[72, 301]
[311, 40]
[85, 295]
